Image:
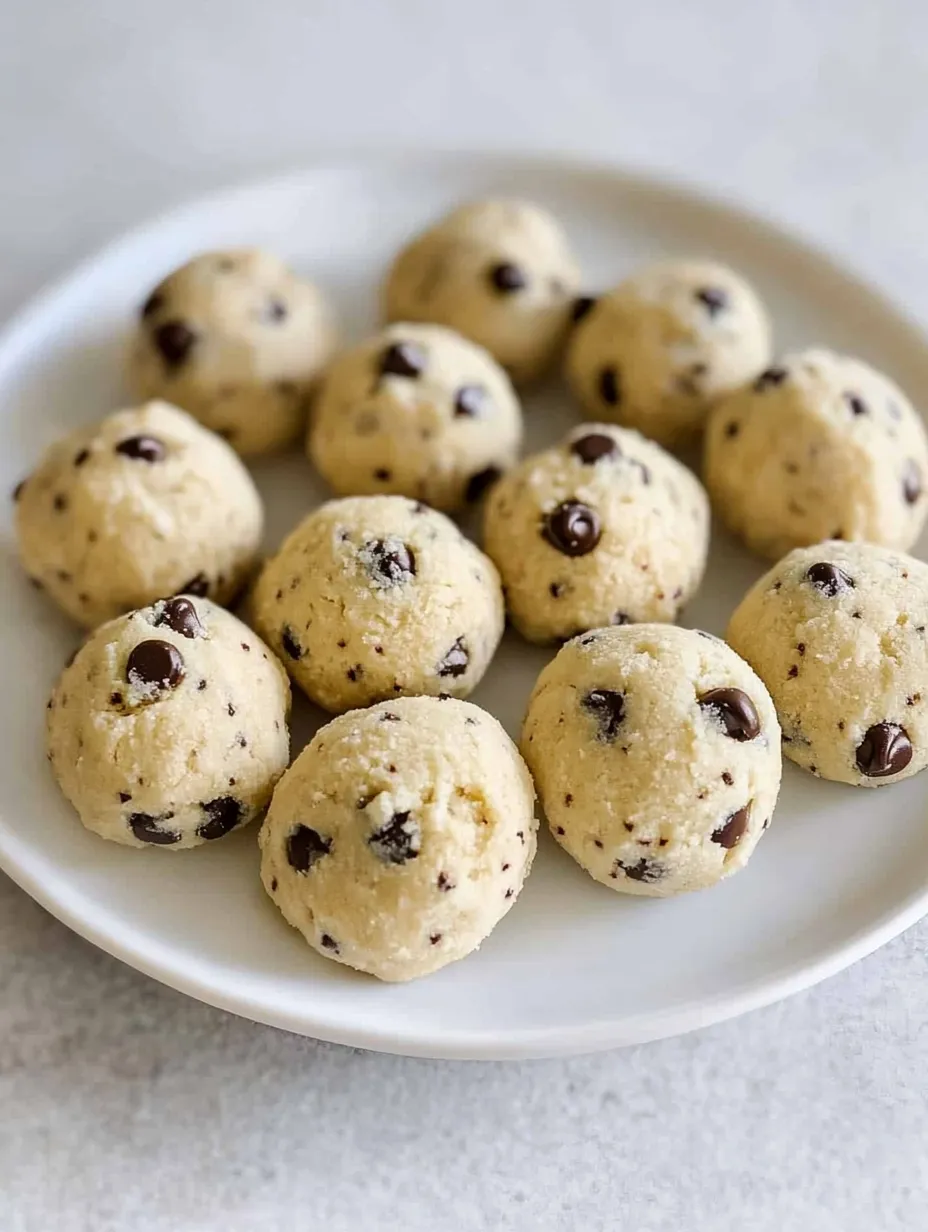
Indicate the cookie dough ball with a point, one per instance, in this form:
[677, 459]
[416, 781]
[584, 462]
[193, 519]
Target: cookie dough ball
[656, 754]
[499, 272]
[143, 504]
[605, 528]
[837, 632]
[401, 836]
[658, 350]
[169, 727]
[239, 341]
[418, 411]
[819, 447]
[377, 596]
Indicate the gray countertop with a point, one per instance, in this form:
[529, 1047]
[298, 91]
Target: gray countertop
[124, 1105]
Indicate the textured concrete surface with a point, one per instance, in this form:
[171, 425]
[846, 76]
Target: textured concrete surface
[125, 1106]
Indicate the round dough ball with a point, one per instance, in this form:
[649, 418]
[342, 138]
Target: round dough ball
[143, 504]
[239, 341]
[658, 350]
[605, 528]
[377, 596]
[418, 411]
[169, 727]
[401, 836]
[656, 754]
[837, 632]
[498, 272]
[821, 446]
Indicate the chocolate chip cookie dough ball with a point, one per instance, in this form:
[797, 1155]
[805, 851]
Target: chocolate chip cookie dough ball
[499, 272]
[605, 528]
[418, 411]
[657, 351]
[378, 596]
[656, 754]
[821, 446]
[401, 836]
[169, 728]
[239, 341]
[143, 504]
[837, 632]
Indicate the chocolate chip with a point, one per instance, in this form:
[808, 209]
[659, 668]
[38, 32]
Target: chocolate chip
[469, 401]
[572, 528]
[145, 828]
[507, 278]
[714, 299]
[276, 310]
[115, 699]
[180, 615]
[582, 305]
[731, 831]
[387, 716]
[156, 663]
[153, 304]
[621, 618]
[641, 870]
[390, 562]
[556, 589]
[911, 483]
[732, 429]
[445, 883]
[290, 644]
[305, 847]
[60, 503]
[829, 579]
[607, 706]
[434, 938]
[198, 586]
[793, 672]
[397, 841]
[403, 359]
[885, 749]
[856, 403]
[355, 673]
[223, 814]
[478, 484]
[456, 661]
[609, 386]
[727, 778]
[142, 448]
[328, 943]
[125, 797]
[769, 378]
[595, 445]
[736, 711]
[383, 473]
[81, 457]
[174, 341]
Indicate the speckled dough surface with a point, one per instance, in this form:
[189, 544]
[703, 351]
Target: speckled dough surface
[418, 411]
[143, 504]
[656, 754]
[499, 272]
[605, 528]
[838, 633]
[658, 350]
[377, 596]
[401, 835]
[169, 728]
[239, 341]
[821, 446]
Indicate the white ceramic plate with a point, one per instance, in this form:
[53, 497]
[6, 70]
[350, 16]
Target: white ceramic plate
[574, 967]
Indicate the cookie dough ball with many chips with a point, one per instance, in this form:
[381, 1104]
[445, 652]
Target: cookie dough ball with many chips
[658, 350]
[837, 632]
[239, 341]
[143, 504]
[169, 728]
[656, 754]
[605, 528]
[418, 411]
[499, 272]
[401, 836]
[821, 446]
[378, 596]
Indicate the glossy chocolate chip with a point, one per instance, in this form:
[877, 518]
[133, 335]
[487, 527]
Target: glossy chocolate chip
[180, 615]
[582, 306]
[153, 304]
[609, 386]
[305, 847]
[154, 663]
[174, 340]
[573, 528]
[885, 749]
[328, 943]
[222, 815]
[829, 579]
[142, 448]
[736, 711]
[641, 870]
[731, 831]
[593, 446]
[198, 586]
[397, 841]
[507, 278]
[469, 401]
[288, 640]
[456, 661]
[479, 483]
[403, 359]
[770, 378]
[607, 706]
[911, 482]
[145, 827]
[390, 562]
[856, 403]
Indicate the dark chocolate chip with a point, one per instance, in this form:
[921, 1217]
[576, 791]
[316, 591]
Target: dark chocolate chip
[641, 870]
[290, 644]
[397, 841]
[305, 847]
[115, 699]
[153, 304]
[390, 562]
[911, 482]
[856, 403]
[769, 378]
[180, 615]
[607, 706]
[731, 831]
[479, 483]
[572, 528]
[456, 661]
[403, 359]
[60, 503]
[469, 401]
[81, 457]
[582, 306]
[829, 579]
[125, 797]
[714, 299]
[145, 828]
[198, 586]
[885, 749]
[175, 341]
[223, 814]
[157, 663]
[328, 943]
[592, 447]
[732, 429]
[609, 386]
[383, 473]
[434, 938]
[507, 278]
[142, 448]
[736, 711]
[556, 589]
[445, 883]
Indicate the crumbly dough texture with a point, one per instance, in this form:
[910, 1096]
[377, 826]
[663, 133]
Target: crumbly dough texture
[376, 596]
[648, 785]
[146, 503]
[499, 272]
[401, 836]
[655, 353]
[418, 411]
[604, 528]
[239, 341]
[821, 446]
[169, 728]
[837, 631]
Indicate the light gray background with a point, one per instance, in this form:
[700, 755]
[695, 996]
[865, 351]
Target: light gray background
[125, 1106]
